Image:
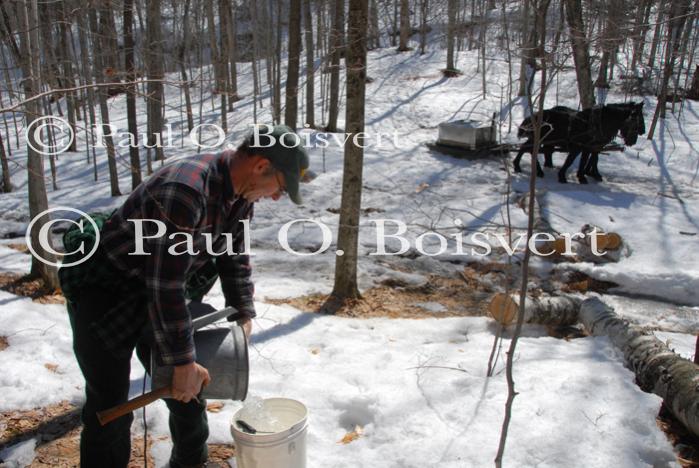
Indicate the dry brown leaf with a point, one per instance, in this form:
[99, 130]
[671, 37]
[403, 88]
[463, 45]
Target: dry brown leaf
[52, 367]
[352, 435]
[315, 350]
[214, 407]
[3, 343]
[421, 187]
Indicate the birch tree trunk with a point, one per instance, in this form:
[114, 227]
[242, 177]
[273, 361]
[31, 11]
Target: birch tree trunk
[658, 370]
[547, 310]
[345, 286]
[581, 55]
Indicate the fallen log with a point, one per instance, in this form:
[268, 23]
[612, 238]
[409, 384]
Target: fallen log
[658, 369]
[553, 311]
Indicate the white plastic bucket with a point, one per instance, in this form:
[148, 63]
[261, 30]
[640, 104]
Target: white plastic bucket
[280, 445]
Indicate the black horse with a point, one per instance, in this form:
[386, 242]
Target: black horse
[594, 128]
[586, 132]
[554, 133]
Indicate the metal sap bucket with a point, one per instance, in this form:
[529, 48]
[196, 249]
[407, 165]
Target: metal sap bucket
[223, 351]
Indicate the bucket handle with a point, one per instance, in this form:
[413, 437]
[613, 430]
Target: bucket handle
[208, 319]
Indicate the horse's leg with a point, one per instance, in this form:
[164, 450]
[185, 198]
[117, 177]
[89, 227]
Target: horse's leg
[582, 166]
[568, 162]
[548, 156]
[592, 169]
[539, 171]
[515, 163]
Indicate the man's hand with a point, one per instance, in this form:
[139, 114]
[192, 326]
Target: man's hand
[188, 380]
[246, 324]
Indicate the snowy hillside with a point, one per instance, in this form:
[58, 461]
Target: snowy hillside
[417, 388]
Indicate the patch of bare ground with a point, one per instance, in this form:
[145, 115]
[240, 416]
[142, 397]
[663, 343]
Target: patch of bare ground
[57, 430]
[686, 445]
[459, 296]
[27, 286]
[46, 424]
[580, 282]
[19, 247]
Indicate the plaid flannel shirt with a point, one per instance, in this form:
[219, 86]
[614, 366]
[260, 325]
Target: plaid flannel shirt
[193, 196]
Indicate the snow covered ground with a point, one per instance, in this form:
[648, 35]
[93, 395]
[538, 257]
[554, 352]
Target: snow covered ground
[578, 405]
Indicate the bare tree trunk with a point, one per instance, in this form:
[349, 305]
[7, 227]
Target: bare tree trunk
[224, 54]
[424, 7]
[310, 65]
[102, 98]
[394, 29]
[90, 101]
[404, 26]
[292, 70]
[693, 92]
[129, 64]
[656, 34]
[154, 66]
[374, 32]
[481, 42]
[67, 66]
[678, 14]
[6, 182]
[182, 58]
[255, 54]
[581, 54]
[609, 45]
[335, 46]
[233, 51]
[217, 63]
[640, 30]
[278, 70]
[108, 39]
[526, 62]
[28, 56]
[658, 370]
[541, 7]
[451, 32]
[346, 264]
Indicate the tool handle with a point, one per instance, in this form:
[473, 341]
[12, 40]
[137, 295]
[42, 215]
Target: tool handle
[109, 415]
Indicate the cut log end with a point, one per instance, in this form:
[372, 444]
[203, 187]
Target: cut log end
[502, 308]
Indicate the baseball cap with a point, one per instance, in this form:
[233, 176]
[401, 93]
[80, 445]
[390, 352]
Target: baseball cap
[284, 149]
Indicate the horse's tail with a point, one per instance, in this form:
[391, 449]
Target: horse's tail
[524, 128]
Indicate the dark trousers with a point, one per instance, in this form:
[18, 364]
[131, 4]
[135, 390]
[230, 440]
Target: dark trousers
[107, 384]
